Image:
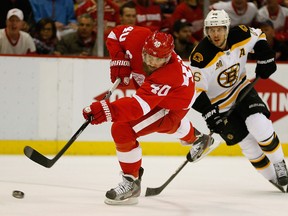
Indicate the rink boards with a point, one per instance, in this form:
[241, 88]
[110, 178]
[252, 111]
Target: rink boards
[42, 101]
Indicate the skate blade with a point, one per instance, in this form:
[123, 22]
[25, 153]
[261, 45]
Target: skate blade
[208, 150]
[281, 188]
[128, 201]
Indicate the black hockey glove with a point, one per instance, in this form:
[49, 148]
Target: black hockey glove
[213, 119]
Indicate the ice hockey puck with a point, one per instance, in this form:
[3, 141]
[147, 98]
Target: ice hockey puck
[18, 194]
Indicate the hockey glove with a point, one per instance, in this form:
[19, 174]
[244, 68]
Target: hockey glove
[100, 112]
[213, 119]
[120, 67]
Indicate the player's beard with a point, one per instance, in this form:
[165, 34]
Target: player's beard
[148, 70]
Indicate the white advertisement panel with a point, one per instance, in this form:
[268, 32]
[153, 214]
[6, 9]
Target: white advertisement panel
[42, 98]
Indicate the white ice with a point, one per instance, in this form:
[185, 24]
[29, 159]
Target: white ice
[76, 186]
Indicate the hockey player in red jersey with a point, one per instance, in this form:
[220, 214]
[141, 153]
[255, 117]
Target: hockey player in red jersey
[165, 92]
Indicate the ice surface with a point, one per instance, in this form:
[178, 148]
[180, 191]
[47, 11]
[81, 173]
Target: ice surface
[76, 186]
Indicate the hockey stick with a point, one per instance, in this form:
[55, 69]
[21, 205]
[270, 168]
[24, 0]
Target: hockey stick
[46, 162]
[158, 190]
[206, 150]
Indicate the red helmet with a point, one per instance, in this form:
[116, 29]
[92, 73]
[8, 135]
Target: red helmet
[159, 44]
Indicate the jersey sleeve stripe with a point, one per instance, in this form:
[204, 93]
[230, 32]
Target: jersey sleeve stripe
[144, 105]
[148, 121]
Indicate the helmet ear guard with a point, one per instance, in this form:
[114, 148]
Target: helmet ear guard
[159, 44]
[217, 18]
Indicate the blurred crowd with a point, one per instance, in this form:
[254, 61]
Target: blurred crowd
[69, 27]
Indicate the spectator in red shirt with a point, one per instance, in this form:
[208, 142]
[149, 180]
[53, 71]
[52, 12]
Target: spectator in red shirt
[128, 13]
[192, 11]
[150, 15]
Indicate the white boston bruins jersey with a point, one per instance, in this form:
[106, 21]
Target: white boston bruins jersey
[222, 74]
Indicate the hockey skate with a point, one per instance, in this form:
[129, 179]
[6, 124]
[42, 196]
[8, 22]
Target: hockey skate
[127, 192]
[278, 186]
[202, 146]
[281, 173]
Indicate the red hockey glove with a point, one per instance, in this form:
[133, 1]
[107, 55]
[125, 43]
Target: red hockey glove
[100, 112]
[120, 67]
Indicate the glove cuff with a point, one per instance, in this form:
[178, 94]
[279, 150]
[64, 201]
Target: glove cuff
[119, 62]
[212, 110]
[106, 110]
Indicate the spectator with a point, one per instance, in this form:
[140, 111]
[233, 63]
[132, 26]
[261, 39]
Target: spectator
[182, 38]
[150, 15]
[167, 6]
[240, 12]
[24, 6]
[279, 17]
[111, 13]
[284, 3]
[120, 2]
[86, 6]
[45, 37]
[111, 16]
[61, 11]
[81, 42]
[279, 47]
[191, 10]
[128, 13]
[12, 39]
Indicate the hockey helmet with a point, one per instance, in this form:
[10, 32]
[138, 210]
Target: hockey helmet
[216, 18]
[159, 44]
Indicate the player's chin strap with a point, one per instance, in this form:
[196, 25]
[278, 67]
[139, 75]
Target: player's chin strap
[206, 148]
[39, 158]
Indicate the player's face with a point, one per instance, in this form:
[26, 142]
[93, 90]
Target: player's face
[217, 35]
[152, 63]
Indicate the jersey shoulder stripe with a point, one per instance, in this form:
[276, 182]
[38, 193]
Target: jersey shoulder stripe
[206, 54]
[203, 54]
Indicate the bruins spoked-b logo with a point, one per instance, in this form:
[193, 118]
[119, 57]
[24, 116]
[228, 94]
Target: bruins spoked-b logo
[229, 77]
[198, 57]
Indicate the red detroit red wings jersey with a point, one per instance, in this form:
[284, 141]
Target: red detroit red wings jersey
[170, 87]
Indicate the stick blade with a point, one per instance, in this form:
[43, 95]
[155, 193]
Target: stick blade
[35, 156]
[153, 191]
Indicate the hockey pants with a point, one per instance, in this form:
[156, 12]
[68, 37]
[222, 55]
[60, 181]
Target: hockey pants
[158, 120]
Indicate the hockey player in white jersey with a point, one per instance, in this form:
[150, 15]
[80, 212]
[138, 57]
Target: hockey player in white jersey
[218, 64]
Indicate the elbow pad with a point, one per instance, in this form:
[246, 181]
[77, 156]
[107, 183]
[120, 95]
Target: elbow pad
[265, 56]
